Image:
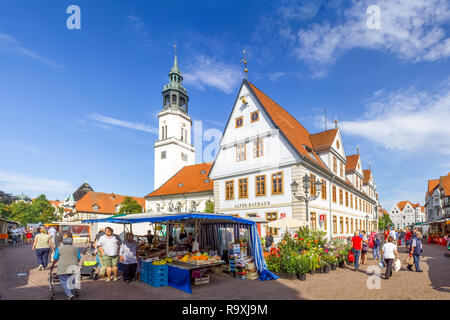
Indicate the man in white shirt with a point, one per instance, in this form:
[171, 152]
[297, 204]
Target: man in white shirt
[109, 247]
[52, 233]
[389, 253]
[15, 236]
[393, 234]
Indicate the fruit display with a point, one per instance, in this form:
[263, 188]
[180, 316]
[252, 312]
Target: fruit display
[162, 262]
[198, 258]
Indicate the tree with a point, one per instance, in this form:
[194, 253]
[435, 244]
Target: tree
[6, 198]
[385, 222]
[209, 206]
[21, 212]
[129, 206]
[5, 211]
[42, 208]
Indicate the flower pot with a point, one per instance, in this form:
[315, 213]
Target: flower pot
[302, 277]
[333, 266]
[341, 264]
[319, 270]
[311, 271]
[326, 269]
[291, 276]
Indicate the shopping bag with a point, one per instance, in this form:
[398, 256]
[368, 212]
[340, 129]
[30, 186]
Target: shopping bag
[397, 265]
[381, 264]
[351, 257]
[409, 260]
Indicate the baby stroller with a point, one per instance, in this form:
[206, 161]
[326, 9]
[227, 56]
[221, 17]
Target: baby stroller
[89, 268]
[52, 280]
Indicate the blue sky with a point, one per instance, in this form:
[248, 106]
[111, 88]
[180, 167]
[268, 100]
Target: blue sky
[84, 102]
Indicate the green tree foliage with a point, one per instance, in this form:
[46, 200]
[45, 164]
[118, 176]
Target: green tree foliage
[385, 222]
[129, 206]
[6, 198]
[40, 210]
[5, 210]
[209, 206]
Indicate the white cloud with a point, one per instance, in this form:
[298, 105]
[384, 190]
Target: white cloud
[122, 123]
[212, 73]
[406, 120]
[411, 29]
[14, 182]
[136, 25]
[9, 43]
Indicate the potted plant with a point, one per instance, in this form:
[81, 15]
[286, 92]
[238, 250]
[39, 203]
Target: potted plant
[302, 267]
[326, 267]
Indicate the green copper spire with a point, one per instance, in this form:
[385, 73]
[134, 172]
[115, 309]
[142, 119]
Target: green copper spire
[175, 69]
[175, 95]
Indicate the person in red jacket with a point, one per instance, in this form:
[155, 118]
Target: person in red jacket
[408, 239]
[386, 235]
[356, 248]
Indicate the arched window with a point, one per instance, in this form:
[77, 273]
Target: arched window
[174, 99]
[166, 100]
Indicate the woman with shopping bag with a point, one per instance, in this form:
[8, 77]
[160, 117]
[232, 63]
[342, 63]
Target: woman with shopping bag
[356, 248]
[389, 253]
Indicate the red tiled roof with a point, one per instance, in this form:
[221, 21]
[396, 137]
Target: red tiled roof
[323, 140]
[189, 179]
[106, 202]
[401, 205]
[367, 173]
[352, 162]
[295, 133]
[444, 183]
[432, 184]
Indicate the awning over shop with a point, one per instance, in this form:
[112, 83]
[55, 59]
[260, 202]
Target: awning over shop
[217, 220]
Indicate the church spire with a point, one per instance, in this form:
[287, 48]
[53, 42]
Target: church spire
[175, 95]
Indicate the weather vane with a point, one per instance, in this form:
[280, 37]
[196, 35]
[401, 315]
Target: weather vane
[244, 60]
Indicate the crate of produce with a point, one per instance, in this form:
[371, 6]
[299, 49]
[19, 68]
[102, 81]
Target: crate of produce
[159, 269]
[202, 280]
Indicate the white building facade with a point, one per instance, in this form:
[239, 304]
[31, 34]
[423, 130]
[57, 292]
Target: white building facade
[405, 214]
[264, 150]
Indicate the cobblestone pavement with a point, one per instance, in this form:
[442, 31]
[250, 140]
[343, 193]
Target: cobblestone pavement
[433, 283]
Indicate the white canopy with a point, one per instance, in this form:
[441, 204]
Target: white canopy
[287, 223]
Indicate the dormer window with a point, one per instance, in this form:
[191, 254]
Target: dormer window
[95, 207]
[207, 181]
[203, 172]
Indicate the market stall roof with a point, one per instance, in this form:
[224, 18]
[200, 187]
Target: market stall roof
[207, 218]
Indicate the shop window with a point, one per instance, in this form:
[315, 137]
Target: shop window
[243, 188]
[272, 216]
[260, 185]
[240, 152]
[239, 122]
[313, 221]
[277, 183]
[229, 190]
[258, 148]
[324, 190]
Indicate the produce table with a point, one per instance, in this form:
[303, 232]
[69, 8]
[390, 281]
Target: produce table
[180, 273]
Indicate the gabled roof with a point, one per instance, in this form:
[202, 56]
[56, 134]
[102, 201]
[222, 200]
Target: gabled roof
[432, 184]
[367, 173]
[323, 140]
[188, 179]
[402, 204]
[294, 132]
[106, 202]
[352, 162]
[81, 191]
[444, 183]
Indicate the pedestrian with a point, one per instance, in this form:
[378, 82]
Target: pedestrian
[15, 236]
[376, 246]
[268, 240]
[67, 257]
[20, 234]
[386, 235]
[416, 251]
[42, 244]
[100, 233]
[408, 239]
[128, 256]
[109, 246]
[389, 253]
[365, 247]
[401, 237]
[356, 248]
[52, 234]
[29, 234]
[150, 236]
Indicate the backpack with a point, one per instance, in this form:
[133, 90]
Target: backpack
[377, 242]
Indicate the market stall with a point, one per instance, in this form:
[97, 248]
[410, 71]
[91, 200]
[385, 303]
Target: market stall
[218, 240]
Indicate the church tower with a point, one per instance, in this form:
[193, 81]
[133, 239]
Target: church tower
[173, 149]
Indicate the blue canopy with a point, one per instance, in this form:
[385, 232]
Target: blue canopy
[212, 219]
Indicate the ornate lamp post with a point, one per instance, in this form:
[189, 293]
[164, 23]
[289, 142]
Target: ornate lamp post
[306, 180]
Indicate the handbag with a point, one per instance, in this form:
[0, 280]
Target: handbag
[397, 265]
[351, 257]
[409, 260]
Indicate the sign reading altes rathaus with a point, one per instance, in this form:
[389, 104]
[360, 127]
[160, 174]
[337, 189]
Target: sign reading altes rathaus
[252, 204]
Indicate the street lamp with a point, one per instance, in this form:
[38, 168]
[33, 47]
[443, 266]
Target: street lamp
[306, 180]
[367, 221]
